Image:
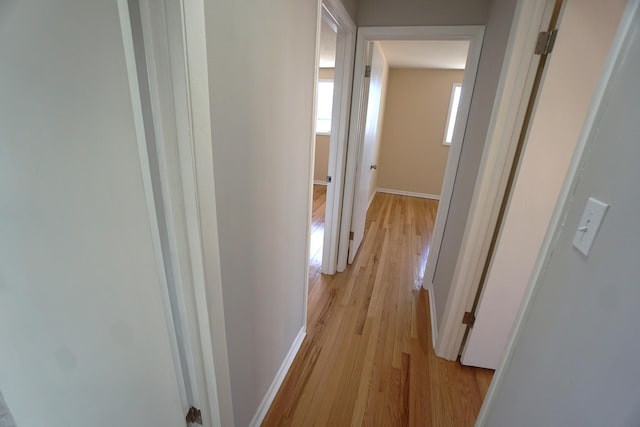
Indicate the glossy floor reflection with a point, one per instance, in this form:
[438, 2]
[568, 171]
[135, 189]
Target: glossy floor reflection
[367, 358]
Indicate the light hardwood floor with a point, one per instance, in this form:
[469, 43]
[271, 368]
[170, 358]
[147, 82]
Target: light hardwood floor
[367, 358]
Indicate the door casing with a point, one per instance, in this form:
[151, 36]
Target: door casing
[343, 72]
[475, 35]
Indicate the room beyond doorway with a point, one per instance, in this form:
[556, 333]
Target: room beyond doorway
[358, 177]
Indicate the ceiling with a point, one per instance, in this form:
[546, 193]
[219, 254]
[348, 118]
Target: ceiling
[327, 46]
[445, 54]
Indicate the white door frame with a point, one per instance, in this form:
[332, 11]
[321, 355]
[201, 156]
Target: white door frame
[518, 72]
[562, 205]
[179, 164]
[475, 36]
[343, 72]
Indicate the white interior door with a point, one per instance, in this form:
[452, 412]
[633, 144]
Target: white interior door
[549, 148]
[373, 96]
[84, 330]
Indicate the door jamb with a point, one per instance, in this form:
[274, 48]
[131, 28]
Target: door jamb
[518, 71]
[182, 192]
[475, 36]
[560, 210]
[343, 72]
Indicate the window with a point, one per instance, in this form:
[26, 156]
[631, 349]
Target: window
[325, 103]
[453, 113]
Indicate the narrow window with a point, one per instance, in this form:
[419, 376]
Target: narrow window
[324, 107]
[453, 113]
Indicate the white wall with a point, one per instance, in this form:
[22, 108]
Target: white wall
[83, 331]
[586, 30]
[261, 72]
[575, 360]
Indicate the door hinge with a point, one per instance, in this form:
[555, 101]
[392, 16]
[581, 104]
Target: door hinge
[194, 416]
[367, 71]
[468, 319]
[328, 179]
[546, 40]
[351, 235]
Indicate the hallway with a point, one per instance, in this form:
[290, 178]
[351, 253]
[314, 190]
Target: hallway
[367, 358]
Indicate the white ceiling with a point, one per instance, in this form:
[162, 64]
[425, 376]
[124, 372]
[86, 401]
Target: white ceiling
[445, 54]
[327, 46]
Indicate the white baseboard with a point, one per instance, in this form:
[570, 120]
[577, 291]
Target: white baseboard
[433, 316]
[277, 381]
[408, 193]
[319, 182]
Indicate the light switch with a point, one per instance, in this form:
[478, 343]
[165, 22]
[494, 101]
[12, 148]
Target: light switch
[589, 225]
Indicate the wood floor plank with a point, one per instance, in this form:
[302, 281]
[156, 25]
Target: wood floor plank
[368, 358]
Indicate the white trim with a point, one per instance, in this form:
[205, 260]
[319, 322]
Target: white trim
[560, 211]
[176, 65]
[342, 78]
[278, 380]
[517, 74]
[149, 183]
[433, 317]
[200, 201]
[323, 133]
[475, 36]
[163, 153]
[319, 182]
[408, 193]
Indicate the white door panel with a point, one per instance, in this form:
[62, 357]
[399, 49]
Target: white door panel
[373, 124]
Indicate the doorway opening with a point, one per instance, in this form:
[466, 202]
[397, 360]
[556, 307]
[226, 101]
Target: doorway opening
[324, 107]
[335, 50]
[423, 92]
[415, 88]
[363, 173]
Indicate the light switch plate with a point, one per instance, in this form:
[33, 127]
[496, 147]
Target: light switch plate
[589, 225]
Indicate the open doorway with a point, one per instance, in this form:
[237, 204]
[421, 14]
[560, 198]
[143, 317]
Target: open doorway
[336, 49]
[365, 148]
[324, 108]
[423, 92]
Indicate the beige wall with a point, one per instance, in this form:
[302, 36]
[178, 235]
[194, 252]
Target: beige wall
[413, 157]
[326, 73]
[321, 166]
